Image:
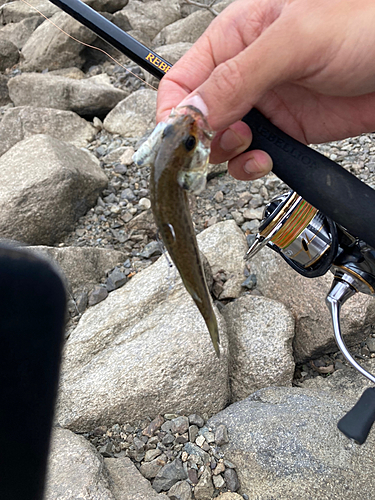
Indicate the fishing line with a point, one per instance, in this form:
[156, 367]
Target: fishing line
[88, 45]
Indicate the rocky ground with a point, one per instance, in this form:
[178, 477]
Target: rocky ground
[70, 122]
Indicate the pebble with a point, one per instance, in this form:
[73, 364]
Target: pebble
[180, 425]
[97, 294]
[218, 481]
[115, 280]
[231, 479]
[169, 475]
[221, 435]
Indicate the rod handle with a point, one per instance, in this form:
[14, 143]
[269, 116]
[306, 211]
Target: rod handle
[357, 423]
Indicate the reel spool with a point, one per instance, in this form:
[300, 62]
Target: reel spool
[312, 244]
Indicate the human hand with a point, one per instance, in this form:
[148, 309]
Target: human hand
[306, 65]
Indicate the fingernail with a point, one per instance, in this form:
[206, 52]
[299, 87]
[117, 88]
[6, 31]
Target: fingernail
[230, 140]
[253, 167]
[196, 101]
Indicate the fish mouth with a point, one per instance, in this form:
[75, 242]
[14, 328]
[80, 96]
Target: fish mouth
[205, 133]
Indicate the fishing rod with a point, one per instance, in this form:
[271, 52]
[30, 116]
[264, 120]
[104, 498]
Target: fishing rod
[328, 225]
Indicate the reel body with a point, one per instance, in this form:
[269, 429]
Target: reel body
[312, 244]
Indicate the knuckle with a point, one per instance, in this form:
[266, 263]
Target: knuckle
[228, 77]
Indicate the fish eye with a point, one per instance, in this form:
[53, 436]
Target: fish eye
[190, 143]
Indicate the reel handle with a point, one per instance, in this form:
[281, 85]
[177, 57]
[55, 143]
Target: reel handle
[320, 181]
[357, 423]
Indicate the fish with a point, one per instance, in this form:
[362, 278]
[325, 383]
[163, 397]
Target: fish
[177, 153]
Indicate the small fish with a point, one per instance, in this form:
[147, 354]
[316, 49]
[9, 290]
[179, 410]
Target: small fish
[177, 152]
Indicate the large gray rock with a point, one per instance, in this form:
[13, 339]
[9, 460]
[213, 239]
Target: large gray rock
[146, 350]
[107, 5]
[306, 299]
[186, 30]
[49, 48]
[50, 91]
[82, 266]
[14, 12]
[127, 483]
[75, 470]
[4, 92]
[19, 33]
[45, 185]
[285, 444]
[151, 17]
[260, 334]
[22, 122]
[9, 54]
[133, 116]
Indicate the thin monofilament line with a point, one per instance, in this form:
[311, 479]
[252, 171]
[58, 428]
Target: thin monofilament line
[87, 44]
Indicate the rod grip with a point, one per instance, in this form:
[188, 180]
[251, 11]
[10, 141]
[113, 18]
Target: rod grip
[357, 423]
[320, 181]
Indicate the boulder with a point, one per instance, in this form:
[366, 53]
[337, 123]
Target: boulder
[285, 443]
[146, 350]
[306, 299]
[151, 17]
[9, 54]
[22, 122]
[260, 334]
[19, 33]
[45, 186]
[107, 5]
[186, 30]
[51, 91]
[133, 116]
[4, 92]
[14, 12]
[75, 470]
[81, 266]
[49, 48]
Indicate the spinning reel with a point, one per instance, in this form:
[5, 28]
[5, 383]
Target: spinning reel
[312, 244]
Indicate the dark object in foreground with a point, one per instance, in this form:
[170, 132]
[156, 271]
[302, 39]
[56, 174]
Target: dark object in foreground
[357, 423]
[32, 315]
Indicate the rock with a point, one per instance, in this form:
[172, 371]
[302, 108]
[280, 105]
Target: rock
[221, 435]
[134, 115]
[97, 295]
[4, 92]
[204, 489]
[151, 17]
[193, 449]
[314, 333]
[153, 426]
[180, 491]
[9, 54]
[127, 483]
[120, 359]
[15, 12]
[285, 444]
[180, 425]
[150, 469]
[107, 5]
[19, 33]
[231, 479]
[49, 48]
[169, 475]
[186, 30]
[51, 91]
[45, 185]
[75, 470]
[218, 481]
[231, 496]
[115, 280]
[20, 123]
[171, 53]
[82, 266]
[260, 332]
[195, 419]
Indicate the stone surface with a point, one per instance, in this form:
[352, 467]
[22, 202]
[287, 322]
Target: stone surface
[82, 266]
[133, 116]
[9, 54]
[180, 491]
[127, 483]
[15, 12]
[49, 48]
[168, 476]
[22, 122]
[4, 92]
[75, 470]
[107, 5]
[19, 33]
[306, 300]
[50, 91]
[45, 185]
[151, 17]
[204, 489]
[137, 353]
[260, 333]
[285, 444]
